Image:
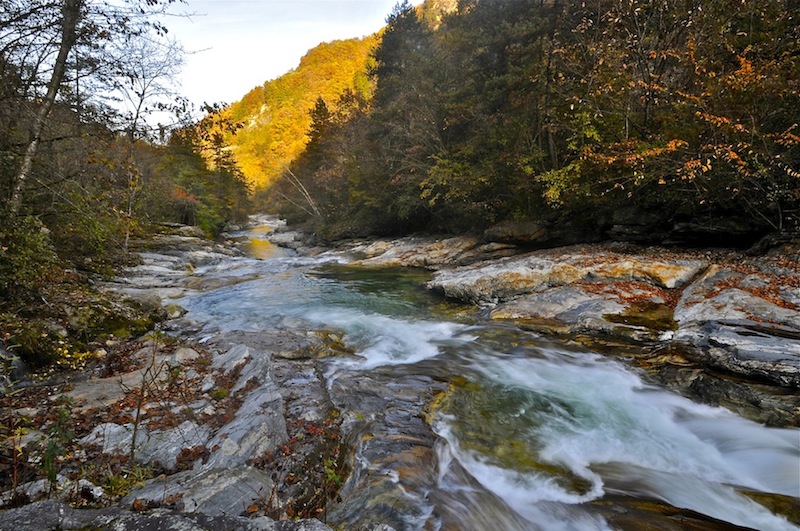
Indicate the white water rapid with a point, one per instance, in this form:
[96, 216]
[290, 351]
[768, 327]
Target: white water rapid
[545, 429]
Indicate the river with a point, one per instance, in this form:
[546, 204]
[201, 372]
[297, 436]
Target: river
[527, 432]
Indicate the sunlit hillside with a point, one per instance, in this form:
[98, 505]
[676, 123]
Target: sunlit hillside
[275, 116]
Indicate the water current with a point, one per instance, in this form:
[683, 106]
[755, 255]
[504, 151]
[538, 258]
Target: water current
[530, 430]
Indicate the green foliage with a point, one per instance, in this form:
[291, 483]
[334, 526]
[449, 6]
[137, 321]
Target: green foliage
[79, 180]
[59, 436]
[27, 259]
[520, 109]
[120, 483]
[197, 181]
[219, 393]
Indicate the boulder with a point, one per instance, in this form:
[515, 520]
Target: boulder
[501, 280]
[746, 319]
[418, 252]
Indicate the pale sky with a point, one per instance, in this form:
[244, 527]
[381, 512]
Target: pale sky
[239, 44]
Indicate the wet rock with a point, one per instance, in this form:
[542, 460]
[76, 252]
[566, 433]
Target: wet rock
[287, 238]
[633, 310]
[55, 516]
[494, 282]
[168, 263]
[565, 305]
[755, 353]
[646, 515]
[395, 461]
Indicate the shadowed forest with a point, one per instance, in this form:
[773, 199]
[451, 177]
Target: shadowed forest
[645, 121]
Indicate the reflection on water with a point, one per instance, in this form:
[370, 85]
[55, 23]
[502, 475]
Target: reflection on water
[260, 247]
[530, 432]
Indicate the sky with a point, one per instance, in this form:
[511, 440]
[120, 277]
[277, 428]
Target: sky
[235, 45]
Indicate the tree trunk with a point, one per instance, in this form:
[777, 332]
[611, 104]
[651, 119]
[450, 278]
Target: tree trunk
[70, 12]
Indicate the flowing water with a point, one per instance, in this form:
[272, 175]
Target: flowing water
[529, 432]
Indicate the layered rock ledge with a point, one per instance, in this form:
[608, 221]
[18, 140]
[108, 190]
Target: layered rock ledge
[719, 325]
[212, 421]
[170, 433]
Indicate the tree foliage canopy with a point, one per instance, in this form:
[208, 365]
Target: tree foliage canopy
[82, 167]
[604, 115]
[275, 116]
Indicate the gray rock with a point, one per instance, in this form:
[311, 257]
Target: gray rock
[233, 358]
[213, 492]
[112, 438]
[192, 231]
[12, 369]
[724, 295]
[34, 490]
[52, 515]
[755, 353]
[502, 280]
[419, 252]
[740, 331]
[569, 305]
[259, 427]
[157, 446]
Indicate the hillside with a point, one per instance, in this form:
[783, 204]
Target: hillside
[657, 122]
[275, 116]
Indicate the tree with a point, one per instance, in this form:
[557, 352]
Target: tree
[70, 13]
[145, 77]
[46, 41]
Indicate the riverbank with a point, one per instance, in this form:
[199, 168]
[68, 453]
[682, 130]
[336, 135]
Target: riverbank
[238, 429]
[165, 431]
[721, 326]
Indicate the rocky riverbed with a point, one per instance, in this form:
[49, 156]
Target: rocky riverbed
[239, 430]
[721, 326]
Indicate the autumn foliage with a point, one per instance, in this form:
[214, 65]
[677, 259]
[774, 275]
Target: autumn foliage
[645, 120]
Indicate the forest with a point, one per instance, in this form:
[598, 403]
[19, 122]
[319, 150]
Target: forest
[86, 171]
[647, 121]
[537, 121]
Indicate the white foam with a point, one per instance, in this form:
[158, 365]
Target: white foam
[600, 413]
[381, 340]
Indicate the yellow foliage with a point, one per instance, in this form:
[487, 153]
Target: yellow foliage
[275, 117]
